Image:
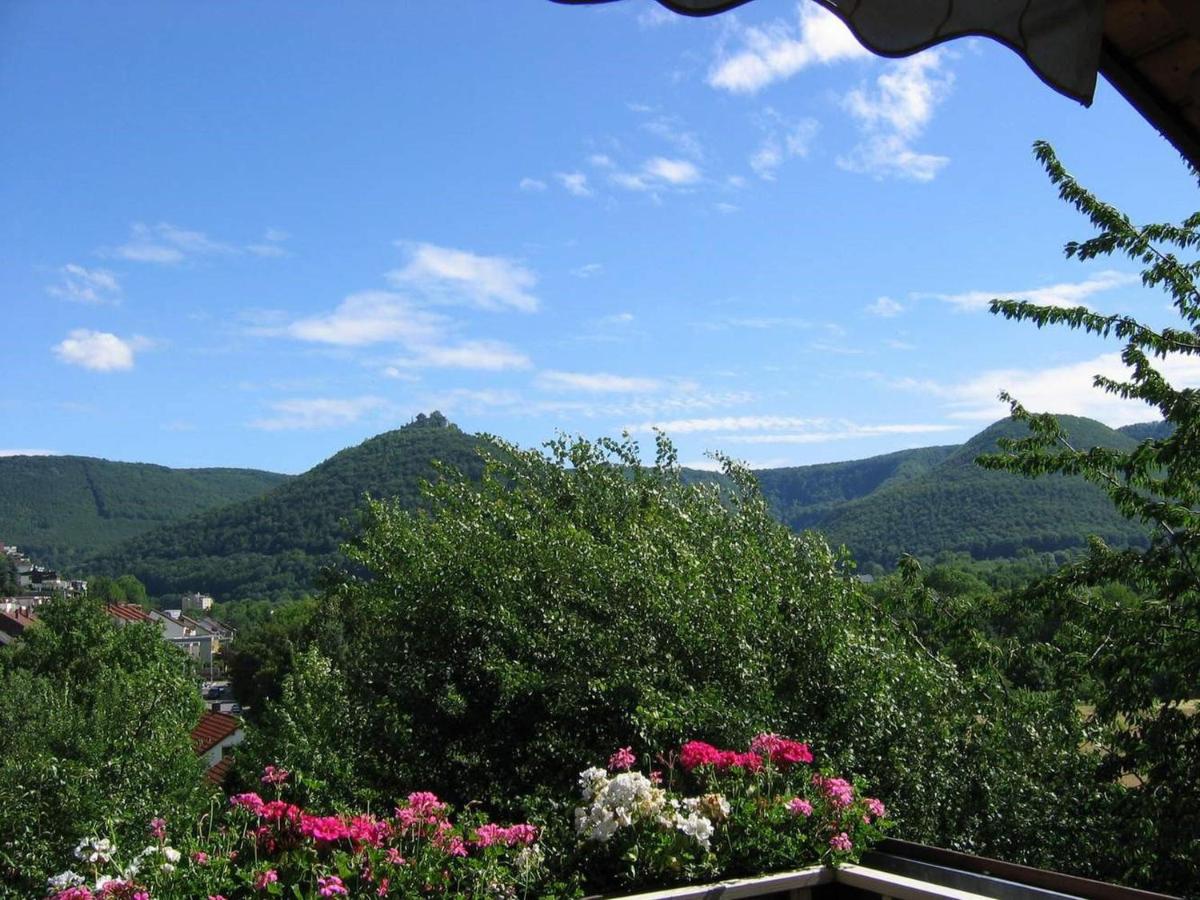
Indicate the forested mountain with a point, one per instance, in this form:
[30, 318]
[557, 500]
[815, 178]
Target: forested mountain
[923, 501]
[274, 546]
[1143, 430]
[958, 506]
[64, 508]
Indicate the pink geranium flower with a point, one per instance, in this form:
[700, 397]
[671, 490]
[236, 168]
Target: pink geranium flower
[266, 878]
[841, 842]
[331, 886]
[623, 760]
[272, 775]
[798, 806]
[158, 828]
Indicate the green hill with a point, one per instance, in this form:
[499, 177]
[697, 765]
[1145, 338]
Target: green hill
[921, 501]
[63, 508]
[275, 545]
[957, 506]
[1143, 430]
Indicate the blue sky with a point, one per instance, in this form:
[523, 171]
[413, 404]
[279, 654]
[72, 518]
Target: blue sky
[252, 234]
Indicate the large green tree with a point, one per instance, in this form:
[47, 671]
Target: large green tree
[94, 739]
[519, 628]
[1145, 639]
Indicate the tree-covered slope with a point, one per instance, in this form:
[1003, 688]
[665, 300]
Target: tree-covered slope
[1142, 430]
[958, 506]
[802, 496]
[63, 508]
[274, 546]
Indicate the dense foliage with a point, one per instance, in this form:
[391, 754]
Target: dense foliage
[94, 737]
[1144, 649]
[957, 506]
[570, 602]
[710, 814]
[275, 546]
[62, 509]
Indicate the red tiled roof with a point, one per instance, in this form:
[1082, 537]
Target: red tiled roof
[16, 621]
[214, 727]
[216, 774]
[127, 612]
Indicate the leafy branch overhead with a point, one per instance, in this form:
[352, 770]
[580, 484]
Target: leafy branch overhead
[1146, 653]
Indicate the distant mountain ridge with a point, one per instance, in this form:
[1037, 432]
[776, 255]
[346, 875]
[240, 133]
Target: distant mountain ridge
[63, 508]
[921, 501]
[276, 545]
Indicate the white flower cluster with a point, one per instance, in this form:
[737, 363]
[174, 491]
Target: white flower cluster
[170, 859]
[629, 797]
[615, 802]
[64, 880]
[94, 850]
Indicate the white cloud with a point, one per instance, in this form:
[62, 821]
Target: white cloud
[601, 160]
[168, 244]
[82, 285]
[596, 382]
[270, 244]
[755, 322]
[471, 400]
[267, 250]
[99, 351]
[317, 413]
[1066, 294]
[782, 140]
[165, 243]
[622, 318]
[894, 114]
[657, 173]
[779, 50]
[785, 429]
[672, 171]
[532, 184]
[575, 183]
[488, 282]
[588, 270]
[671, 130]
[847, 431]
[19, 452]
[885, 307]
[489, 356]
[654, 16]
[369, 317]
[1065, 389]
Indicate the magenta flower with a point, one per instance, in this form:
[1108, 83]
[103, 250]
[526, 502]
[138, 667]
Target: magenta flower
[200, 858]
[623, 760]
[839, 791]
[876, 808]
[841, 842]
[250, 801]
[324, 828]
[331, 886]
[141, 895]
[74, 893]
[272, 775]
[158, 828]
[268, 877]
[798, 806]
[694, 754]
[394, 857]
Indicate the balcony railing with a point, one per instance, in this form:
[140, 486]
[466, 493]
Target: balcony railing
[898, 870]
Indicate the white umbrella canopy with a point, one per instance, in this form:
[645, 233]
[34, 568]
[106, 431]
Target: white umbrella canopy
[1059, 39]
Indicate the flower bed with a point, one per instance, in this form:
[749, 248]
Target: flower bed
[702, 813]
